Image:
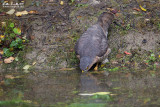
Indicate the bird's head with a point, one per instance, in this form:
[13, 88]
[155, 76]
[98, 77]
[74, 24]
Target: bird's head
[86, 63]
[105, 19]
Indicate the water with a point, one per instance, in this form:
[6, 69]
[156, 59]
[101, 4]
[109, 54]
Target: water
[74, 89]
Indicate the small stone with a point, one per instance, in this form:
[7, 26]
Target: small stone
[144, 41]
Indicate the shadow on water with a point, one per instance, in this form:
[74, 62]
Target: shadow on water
[73, 89]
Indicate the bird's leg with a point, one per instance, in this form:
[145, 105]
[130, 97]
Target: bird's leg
[106, 59]
[96, 68]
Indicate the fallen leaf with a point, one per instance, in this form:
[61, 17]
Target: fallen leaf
[32, 12]
[1, 52]
[3, 24]
[136, 9]
[1, 36]
[26, 67]
[1, 62]
[62, 2]
[147, 19]
[79, 16]
[34, 63]
[146, 100]
[142, 8]
[21, 13]
[9, 77]
[135, 13]
[97, 93]
[16, 59]
[127, 53]
[159, 56]
[23, 41]
[10, 12]
[9, 60]
[85, 94]
[101, 93]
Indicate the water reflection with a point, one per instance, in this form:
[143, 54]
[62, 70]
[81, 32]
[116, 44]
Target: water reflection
[90, 83]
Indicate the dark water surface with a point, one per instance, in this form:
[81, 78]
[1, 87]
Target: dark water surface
[74, 89]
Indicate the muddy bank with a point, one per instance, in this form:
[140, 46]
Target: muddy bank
[54, 30]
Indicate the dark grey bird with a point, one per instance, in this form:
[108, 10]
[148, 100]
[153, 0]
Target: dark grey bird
[92, 46]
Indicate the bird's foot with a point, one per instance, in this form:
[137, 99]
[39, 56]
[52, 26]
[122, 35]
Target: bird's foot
[102, 65]
[96, 68]
[108, 51]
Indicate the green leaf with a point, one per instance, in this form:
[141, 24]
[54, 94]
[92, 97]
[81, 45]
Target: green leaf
[11, 25]
[12, 35]
[17, 31]
[14, 44]
[20, 46]
[7, 52]
[18, 40]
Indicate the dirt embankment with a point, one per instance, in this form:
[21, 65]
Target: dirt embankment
[54, 31]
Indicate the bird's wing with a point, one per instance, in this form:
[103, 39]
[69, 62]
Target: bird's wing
[92, 43]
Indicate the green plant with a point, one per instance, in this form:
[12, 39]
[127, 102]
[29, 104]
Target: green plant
[128, 26]
[152, 58]
[7, 52]
[11, 39]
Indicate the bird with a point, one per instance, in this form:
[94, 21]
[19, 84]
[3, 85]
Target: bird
[92, 46]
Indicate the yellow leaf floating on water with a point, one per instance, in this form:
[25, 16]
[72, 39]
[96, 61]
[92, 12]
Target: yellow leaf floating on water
[142, 8]
[102, 93]
[97, 93]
